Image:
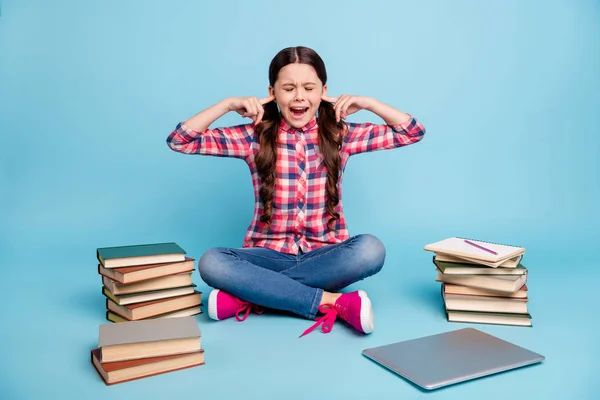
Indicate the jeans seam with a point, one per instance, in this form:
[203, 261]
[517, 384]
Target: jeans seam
[324, 253]
[248, 262]
[315, 304]
[260, 256]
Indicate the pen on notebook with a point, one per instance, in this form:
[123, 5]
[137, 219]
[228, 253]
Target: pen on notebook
[480, 247]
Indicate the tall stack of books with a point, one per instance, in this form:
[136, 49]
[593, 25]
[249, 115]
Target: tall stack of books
[139, 349]
[482, 282]
[147, 281]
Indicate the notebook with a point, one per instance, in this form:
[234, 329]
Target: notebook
[476, 249]
[435, 361]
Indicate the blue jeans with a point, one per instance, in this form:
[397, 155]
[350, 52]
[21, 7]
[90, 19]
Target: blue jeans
[289, 282]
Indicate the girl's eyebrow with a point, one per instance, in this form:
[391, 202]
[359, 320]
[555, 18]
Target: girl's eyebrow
[291, 84]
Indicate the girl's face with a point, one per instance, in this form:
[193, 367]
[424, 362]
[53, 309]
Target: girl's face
[298, 92]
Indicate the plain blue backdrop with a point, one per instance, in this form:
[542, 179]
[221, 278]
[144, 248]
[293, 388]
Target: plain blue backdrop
[89, 90]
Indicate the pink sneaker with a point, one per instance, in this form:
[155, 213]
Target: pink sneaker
[222, 305]
[354, 308]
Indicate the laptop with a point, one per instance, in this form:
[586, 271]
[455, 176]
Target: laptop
[444, 359]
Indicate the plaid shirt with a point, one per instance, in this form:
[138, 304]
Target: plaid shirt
[299, 218]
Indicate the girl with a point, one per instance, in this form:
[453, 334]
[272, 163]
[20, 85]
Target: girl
[297, 253]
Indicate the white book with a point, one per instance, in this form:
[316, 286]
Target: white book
[475, 249]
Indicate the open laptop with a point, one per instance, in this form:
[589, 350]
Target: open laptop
[451, 357]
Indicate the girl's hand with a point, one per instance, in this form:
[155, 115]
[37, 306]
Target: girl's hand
[251, 107]
[347, 104]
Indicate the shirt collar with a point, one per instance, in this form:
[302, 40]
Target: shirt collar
[284, 125]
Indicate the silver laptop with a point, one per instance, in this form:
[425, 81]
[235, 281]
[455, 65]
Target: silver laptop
[451, 357]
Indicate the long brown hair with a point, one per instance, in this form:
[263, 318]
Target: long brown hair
[330, 139]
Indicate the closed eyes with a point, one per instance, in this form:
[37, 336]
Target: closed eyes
[308, 89]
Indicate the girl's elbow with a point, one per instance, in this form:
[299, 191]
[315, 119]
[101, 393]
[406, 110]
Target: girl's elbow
[175, 145]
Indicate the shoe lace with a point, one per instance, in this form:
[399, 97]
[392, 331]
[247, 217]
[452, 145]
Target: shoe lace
[247, 308]
[330, 313]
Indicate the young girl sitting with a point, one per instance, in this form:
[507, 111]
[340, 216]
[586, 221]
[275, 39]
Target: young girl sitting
[297, 253]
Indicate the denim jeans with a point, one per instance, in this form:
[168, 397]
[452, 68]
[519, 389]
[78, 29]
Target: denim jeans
[289, 282]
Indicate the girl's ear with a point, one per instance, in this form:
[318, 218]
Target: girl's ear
[324, 90]
[272, 92]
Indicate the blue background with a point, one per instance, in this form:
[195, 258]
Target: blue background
[90, 90]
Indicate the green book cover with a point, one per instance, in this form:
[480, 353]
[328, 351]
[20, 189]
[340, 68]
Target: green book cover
[140, 250]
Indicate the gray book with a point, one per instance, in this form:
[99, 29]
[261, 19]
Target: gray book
[148, 338]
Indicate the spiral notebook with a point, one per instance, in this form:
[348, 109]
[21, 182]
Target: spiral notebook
[475, 249]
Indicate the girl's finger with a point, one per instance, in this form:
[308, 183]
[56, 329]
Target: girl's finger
[250, 109]
[244, 109]
[329, 99]
[338, 107]
[266, 100]
[344, 110]
[259, 111]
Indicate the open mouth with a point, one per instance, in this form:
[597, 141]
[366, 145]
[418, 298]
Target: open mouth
[298, 112]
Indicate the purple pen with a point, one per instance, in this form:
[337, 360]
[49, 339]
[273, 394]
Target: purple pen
[480, 247]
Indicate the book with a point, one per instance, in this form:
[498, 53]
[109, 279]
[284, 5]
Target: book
[149, 338]
[489, 318]
[166, 282]
[132, 298]
[152, 308]
[510, 263]
[142, 254]
[458, 289]
[186, 312]
[482, 282]
[500, 283]
[458, 247]
[452, 268]
[463, 302]
[139, 273]
[123, 371]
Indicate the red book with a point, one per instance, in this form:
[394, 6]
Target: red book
[123, 371]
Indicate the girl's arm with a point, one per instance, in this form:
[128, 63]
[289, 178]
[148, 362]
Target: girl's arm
[193, 136]
[400, 129]
[389, 114]
[204, 118]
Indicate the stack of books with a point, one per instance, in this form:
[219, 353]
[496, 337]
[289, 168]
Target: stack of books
[147, 281]
[482, 282]
[139, 349]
